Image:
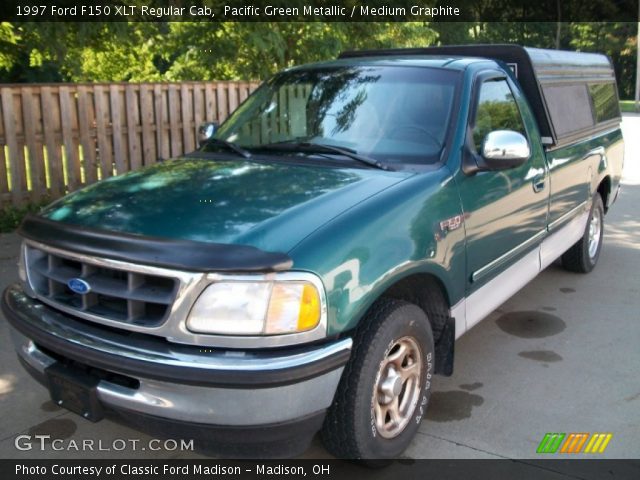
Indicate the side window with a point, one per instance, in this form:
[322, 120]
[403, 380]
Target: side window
[605, 101]
[497, 110]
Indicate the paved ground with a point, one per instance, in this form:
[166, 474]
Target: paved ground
[561, 356]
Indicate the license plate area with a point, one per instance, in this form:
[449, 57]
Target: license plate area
[75, 390]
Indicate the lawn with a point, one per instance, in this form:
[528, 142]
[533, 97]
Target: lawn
[627, 106]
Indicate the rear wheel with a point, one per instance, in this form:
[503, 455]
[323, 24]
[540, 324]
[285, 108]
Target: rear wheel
[583, 256]
[384, 391]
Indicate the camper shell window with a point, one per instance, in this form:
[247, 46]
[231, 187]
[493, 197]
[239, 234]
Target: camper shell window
[605, 101]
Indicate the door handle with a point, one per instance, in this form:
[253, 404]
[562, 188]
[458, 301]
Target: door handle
[538, 183]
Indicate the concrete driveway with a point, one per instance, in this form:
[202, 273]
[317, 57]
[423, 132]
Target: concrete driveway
[563, 355]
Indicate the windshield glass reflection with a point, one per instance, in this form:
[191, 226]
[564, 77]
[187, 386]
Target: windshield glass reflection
[392, 114]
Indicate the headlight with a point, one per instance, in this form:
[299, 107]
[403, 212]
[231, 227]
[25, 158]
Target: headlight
[256, 308]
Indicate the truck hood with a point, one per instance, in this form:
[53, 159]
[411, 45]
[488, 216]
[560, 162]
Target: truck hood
[271, 206]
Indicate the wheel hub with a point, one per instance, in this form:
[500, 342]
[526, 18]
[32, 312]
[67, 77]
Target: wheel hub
[397, 388]
[391, 386]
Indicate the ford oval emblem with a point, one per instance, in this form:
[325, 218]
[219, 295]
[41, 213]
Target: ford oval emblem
[79, 286]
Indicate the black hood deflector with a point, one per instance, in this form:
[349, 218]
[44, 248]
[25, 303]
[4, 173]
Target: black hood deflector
[178, 254]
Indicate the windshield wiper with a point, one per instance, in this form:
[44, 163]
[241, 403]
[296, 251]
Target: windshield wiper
[323, 148]
[230, 146]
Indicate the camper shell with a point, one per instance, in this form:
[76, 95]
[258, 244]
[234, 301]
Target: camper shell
[573, 95]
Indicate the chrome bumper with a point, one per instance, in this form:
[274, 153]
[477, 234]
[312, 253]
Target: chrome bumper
[181, 383]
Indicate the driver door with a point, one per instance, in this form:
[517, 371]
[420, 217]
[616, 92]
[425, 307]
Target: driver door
[505, 211]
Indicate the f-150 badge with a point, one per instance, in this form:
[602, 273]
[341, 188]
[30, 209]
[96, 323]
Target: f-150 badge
[450, 224]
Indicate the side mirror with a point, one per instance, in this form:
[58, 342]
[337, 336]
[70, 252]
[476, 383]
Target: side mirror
[206, 131]
[503, 149]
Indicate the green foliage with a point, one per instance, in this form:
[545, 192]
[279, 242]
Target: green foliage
[10, 216]
[628, 106]
[258, 49]
[148, 51]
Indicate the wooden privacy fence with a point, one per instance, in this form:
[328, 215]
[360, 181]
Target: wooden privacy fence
[55, 138]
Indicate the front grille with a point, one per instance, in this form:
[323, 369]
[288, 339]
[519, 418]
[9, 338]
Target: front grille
[115, 295]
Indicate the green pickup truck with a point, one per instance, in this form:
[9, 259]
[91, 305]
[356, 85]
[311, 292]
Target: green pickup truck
[311, 265]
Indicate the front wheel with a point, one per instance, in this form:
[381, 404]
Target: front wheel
[385, 388]
[583, 256]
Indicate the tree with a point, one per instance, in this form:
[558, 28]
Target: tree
[144, 51]
[139, 51]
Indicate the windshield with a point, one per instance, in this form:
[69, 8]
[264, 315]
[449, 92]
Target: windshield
[394, 115]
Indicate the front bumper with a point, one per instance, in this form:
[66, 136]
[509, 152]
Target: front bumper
[176, 382]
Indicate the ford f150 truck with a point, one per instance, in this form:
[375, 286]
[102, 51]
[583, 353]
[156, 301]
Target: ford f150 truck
[311, 265]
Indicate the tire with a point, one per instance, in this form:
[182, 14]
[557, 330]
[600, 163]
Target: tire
[583, 256]
[393, 337]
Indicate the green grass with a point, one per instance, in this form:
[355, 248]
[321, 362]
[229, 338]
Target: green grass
[10, 216]
[627, 106]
